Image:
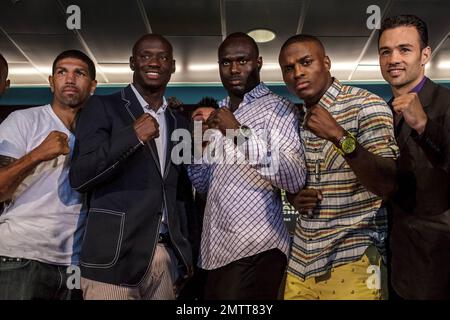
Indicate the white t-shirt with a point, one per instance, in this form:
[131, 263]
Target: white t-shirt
[45, 221]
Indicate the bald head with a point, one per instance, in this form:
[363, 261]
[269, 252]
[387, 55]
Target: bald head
[4, 83]
[152, 37]
[239, 37]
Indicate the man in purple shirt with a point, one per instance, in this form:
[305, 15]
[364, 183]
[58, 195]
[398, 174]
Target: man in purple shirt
[420, 209]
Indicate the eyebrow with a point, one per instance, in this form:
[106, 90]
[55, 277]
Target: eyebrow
[305, 57]
[297, 60]
[402, 45]
[76, 69]
[153, 51]
[236, 57]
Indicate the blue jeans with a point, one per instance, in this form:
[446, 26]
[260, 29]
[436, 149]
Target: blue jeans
[23, 279]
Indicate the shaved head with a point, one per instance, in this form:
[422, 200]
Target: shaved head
[150, 37]
[239, 36]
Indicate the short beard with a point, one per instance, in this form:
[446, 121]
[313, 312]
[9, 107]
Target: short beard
[73, 102]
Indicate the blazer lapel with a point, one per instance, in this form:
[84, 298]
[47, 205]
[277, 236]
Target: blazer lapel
[403, 136]
[135, 110]
[171, 122]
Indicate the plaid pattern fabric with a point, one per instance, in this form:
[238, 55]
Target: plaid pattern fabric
[349, 218]
[243, 214]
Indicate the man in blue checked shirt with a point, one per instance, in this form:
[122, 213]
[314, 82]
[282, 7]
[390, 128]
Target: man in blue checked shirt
[245, 243]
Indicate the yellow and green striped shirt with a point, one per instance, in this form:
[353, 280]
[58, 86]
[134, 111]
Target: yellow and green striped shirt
[349, 218]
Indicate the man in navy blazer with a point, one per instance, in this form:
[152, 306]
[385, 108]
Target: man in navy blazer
[133, 247]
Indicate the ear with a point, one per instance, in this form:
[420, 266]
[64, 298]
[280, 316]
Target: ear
[8, 83]
[425, 56]
[93, 87]
[50, 80]
[131, 63]
[259, 62]
[174, 66]
[327, 62]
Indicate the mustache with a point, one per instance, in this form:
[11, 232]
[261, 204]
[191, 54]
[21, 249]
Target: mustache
[69, 86]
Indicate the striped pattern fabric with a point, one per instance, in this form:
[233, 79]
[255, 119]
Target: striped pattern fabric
[158, 283]
[349, 218]
[243, 214]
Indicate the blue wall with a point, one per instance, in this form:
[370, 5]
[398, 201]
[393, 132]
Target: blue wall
[189, 94]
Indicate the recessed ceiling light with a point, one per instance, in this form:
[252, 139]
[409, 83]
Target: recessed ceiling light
[262, 35]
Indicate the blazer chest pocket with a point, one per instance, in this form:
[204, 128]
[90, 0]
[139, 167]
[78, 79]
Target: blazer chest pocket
[102, 238]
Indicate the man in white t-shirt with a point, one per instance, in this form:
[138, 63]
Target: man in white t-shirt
[42, 226]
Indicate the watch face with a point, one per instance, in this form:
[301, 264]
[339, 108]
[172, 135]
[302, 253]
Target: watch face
[348, 145]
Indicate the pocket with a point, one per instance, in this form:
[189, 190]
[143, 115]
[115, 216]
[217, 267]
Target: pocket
[103, 238]
[333, 160]
[10, 264]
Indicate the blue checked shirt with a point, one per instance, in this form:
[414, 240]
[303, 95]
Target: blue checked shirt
[243, 214]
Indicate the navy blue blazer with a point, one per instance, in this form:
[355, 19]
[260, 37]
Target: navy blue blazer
[127, 191]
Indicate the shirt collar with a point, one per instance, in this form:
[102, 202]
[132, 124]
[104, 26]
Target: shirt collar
[419, 87]
[145, 104]
[331, 94]
[416, 89]
[257, 92]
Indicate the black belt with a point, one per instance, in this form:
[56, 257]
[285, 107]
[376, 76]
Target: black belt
[164, 238]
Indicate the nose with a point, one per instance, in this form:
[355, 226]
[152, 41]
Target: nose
[234, 68]
[70, 77]
[394, 58]
[298, 71]
[153, 62]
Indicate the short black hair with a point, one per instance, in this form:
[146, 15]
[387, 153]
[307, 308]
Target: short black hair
[152, 35]
[406, 20]
[241, 35]
[4, 63]
[302, 38]
[76, 54]
[208, 102]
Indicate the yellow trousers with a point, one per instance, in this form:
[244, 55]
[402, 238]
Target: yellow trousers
[365, 279]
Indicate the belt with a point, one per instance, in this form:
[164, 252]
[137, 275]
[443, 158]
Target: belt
[9, 259]
[164, 238]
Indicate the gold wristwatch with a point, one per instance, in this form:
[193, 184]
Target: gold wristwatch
[346, 145]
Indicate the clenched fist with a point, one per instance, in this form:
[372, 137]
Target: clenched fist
[320, 122]
[54, 145]
[146, 127]
[305, 201]
[409, 106]
[222, 119]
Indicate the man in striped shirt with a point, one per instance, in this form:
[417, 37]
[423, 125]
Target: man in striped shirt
[339, 243]
[245, 242]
